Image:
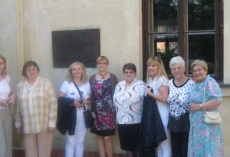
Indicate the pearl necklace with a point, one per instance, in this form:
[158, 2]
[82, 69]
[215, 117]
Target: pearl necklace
[102, 76]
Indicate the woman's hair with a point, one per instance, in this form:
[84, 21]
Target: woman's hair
[29, 64]
[4, 72]
[70, 76]
[102, 58]
[129, 66]
[154, 60]
[176, 60]
[201, 63]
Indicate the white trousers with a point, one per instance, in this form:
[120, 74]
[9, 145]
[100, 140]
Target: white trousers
[75, 143]
[164, 148]
[5, 133]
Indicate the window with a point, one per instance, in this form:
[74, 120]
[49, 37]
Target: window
[189, 28]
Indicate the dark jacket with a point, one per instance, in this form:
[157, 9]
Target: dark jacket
[66, 116]
[152, 130]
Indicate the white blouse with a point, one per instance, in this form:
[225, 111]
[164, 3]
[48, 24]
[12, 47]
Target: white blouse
[4, 89]
[155, 85]
[129, 102]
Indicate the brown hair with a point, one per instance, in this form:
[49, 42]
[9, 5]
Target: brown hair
[129, 66]
[102, 58]
[29, 64]
[201, 63]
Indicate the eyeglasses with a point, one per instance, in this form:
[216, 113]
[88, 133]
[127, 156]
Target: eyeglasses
[129, 72]
[102, 63]
[197, 70]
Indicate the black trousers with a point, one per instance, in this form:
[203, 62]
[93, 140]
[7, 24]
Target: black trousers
[146, 154]
[179, 143]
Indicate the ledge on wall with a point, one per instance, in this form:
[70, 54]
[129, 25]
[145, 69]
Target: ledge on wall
[60, 153]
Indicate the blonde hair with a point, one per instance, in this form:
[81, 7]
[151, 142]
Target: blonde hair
[102, 58]
[70, 76]
[4, 72]
[201, 63]
[158, 62]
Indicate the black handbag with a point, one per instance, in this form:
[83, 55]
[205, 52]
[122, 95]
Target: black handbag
[87, 113]
[88, 117]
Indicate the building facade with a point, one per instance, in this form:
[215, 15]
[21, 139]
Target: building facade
[130, 31]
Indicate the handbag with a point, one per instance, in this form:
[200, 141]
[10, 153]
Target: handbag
[87, 113]
[87, 116]
[211, 117]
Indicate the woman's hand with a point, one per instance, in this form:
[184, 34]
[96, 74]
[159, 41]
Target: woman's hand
[12, 97]
[195, 107]
[51, 129]
[77, 103]
[86, 101]
[148, 91]
[6, 103]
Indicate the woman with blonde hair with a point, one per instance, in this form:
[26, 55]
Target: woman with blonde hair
[76, 91]
[157, 82]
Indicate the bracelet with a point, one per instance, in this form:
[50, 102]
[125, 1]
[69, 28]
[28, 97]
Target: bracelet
[201, 106]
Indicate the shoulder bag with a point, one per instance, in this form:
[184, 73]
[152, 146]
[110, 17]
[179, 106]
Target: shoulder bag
[211, 117]
[87, 112]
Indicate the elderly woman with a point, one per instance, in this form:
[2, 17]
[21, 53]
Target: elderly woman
[204, 139]
[77, 82]
[128, 99]
[103, 111]
[179, 99]
[6, 102]
[36, 111]
[158, 83]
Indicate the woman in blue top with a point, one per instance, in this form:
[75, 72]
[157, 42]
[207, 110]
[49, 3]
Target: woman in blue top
[205, 140]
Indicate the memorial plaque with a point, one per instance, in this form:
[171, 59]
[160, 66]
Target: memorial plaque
[75, 45]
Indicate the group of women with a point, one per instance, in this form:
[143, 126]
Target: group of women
[181, 103]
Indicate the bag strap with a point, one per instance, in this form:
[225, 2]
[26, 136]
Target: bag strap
[79, 94]
[204, 99]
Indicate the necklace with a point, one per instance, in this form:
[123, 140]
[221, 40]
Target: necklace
[102, 76]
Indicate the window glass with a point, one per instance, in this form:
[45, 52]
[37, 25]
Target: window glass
[202, 47]
[166, 46]
[190, 28]
[165, 15]
[201, 15]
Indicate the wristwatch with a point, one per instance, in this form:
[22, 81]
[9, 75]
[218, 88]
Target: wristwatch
[201, 106]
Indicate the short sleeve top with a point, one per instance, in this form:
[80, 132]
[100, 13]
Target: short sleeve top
[71, 92]
[155, 85]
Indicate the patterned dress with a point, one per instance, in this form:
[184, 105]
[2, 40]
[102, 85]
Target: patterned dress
[205, 140]
[179, 100]
[103, 111]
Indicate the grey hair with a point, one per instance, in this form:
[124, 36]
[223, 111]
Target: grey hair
[176, 60]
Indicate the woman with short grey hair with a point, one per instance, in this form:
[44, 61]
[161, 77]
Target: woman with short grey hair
[180, 88]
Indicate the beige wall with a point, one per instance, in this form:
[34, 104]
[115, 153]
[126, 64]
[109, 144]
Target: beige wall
[25, 33]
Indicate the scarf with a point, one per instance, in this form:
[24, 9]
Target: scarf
[31, 89]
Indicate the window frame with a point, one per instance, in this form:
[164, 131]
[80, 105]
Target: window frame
[183, 33]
